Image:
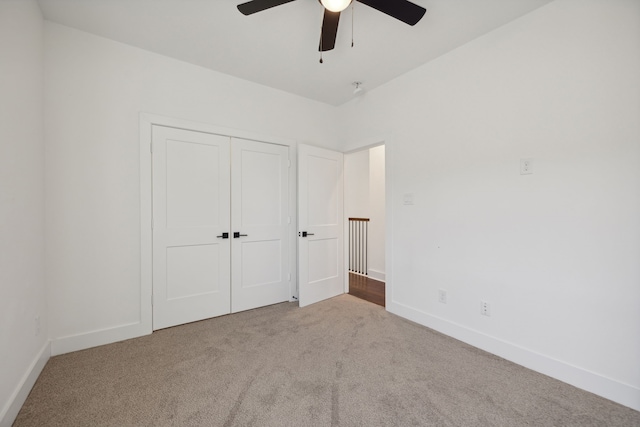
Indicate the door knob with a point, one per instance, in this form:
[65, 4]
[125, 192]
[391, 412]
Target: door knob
[237, 234]
[305, 234]
[223, 236]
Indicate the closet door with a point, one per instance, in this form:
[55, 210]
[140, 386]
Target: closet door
[259, 219]
[191, 257]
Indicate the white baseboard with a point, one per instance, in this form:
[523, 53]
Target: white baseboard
[376, 275]
[99, 337]
[19, 396]
[608, 388]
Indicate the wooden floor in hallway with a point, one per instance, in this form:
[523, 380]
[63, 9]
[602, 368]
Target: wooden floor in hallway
[367, 288]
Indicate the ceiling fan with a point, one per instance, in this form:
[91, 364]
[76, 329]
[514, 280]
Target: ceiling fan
[402, 10]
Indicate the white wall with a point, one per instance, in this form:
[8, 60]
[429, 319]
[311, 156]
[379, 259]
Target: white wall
[376, 264]
[356, 188]
[94, 91]
[556, 253]
[22, 293]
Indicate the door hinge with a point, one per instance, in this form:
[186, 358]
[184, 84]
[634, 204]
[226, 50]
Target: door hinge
[288, 220]
[289, 164]
[289, 276]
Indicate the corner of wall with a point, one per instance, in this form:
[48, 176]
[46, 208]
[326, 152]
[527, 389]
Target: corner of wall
[20, 394]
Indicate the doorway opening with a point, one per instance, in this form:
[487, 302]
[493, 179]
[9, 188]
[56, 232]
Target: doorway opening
[365, 209]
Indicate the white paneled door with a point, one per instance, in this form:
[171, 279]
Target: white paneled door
[199, 269]
[191, 211]
[260, 224]
[320, 224]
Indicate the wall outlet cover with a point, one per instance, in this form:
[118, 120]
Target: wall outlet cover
[485, 308]
[526, 166]
[442, 296]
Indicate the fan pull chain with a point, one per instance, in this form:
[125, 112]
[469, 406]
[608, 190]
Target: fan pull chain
[321, 37]
[353, 5]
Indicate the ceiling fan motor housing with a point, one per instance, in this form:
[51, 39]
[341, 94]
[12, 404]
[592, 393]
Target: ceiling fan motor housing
[335, 5]
[402, 10]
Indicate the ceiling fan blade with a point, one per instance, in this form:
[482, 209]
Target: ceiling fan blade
[254, 6]
[329, 30]
[403, 10]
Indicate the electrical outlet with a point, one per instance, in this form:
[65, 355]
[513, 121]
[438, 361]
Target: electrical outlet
[37, 321]
[526, 166]
[485, 308]
[442, 296]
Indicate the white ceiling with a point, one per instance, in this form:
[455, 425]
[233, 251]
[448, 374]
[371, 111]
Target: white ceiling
[279, 47]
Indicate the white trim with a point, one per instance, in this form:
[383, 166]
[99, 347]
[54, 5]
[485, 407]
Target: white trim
[293, 227]
[20, 394]
[388, 216]
[156, 119]
[608, 388]
[345, 233]
[146, 242]
[376, 275]
[99, 337]
[367, 143]
[146, 121]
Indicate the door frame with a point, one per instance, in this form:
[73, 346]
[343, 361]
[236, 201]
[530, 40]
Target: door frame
[146, 121]
[355, 148]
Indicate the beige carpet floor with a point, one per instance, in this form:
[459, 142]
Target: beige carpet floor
[341, 362]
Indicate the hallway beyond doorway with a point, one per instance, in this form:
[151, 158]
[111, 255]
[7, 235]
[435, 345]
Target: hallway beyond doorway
[367, 289]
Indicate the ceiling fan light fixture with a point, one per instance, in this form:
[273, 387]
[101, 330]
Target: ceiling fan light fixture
[335, 5]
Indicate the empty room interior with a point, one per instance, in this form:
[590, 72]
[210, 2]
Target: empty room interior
[176, 182]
